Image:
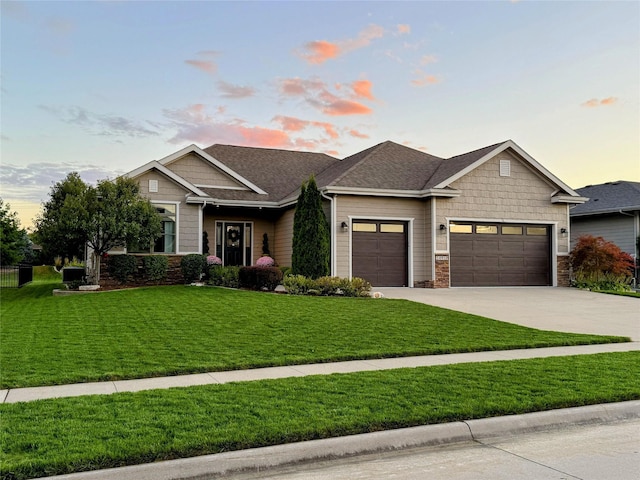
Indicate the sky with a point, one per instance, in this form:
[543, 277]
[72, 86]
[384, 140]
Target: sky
[103, 87]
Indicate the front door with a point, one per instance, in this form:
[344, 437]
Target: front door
[233, 244]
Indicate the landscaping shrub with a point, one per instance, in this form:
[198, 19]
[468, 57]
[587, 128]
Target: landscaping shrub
[220, 276]
[600, 265]
[260, 278]
[603, 281]
[155, 267]
[301, 285]
[298, 284]
[265, 261]
[122, 267]
[193, 266]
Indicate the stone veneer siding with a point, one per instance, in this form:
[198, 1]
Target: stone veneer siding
[563, 271]
[174, 274]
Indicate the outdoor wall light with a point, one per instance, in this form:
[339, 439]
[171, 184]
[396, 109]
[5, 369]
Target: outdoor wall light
[344, 226]
[563, 231]
[443, 227]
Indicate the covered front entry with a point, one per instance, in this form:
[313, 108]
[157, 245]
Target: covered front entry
[233, 243]
[498, 254]
[380, 252]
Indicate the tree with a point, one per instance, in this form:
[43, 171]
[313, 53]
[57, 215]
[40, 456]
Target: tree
[13, 239]
[118, 216]
[110, 215]
[595, 255]
[311, 245]
[59, 228]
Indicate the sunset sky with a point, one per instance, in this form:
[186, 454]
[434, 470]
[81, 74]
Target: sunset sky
[102, 87]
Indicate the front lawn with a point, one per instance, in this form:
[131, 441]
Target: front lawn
[177, 330]
[60, 436]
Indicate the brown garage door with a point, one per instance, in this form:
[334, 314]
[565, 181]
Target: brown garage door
[485, 254]
[379, 252]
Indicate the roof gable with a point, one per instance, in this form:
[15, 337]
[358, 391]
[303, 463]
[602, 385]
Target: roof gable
[465, 163]
[154, 165]
[608, 198]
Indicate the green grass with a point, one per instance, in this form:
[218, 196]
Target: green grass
[177, 330]
[622, 294]
[75, 434]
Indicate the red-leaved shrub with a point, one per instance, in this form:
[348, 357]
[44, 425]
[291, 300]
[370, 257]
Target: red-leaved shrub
[596, 255]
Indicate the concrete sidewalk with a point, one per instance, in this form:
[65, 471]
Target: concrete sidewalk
[104, 388]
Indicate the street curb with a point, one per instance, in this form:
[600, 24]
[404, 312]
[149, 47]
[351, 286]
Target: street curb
[259, 459]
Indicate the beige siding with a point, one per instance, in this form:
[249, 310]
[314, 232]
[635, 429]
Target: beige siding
[198, 171]
[188, 216]
[387, 208]
[283, 245]
[523, 196]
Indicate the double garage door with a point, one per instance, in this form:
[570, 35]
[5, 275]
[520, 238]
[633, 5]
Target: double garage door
[486, 254]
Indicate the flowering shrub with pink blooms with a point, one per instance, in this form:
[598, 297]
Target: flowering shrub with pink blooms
[213, 260]
[265, 262]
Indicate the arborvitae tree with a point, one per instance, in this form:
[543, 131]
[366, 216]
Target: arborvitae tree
[13, 239]
[311, 244]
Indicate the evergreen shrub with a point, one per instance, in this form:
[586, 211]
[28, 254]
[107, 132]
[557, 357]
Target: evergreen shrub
[260, 278]
[122, 267]
[155, 267]
[192, 267]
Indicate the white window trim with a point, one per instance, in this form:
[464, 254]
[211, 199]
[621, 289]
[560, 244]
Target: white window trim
[177, 204]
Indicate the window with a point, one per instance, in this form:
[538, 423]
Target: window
[460, 228]
[153, 186]
[487, 229]
[536, 230]
[511, 230]
[166, 243]
[392, 228]
[365, 227]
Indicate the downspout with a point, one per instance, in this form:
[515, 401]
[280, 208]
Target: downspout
[332, 231]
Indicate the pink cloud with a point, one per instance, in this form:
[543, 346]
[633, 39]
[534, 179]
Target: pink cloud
[317, 94]
[424, 79]
[235, 91]
[404, 29]
[362, 88]
[357, 134]
[319, 51]
[594, 102]
[292, 124]
[204, 65]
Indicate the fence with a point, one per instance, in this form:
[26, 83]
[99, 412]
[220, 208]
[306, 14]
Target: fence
[15, 276]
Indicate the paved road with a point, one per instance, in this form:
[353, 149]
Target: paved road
[600, 452]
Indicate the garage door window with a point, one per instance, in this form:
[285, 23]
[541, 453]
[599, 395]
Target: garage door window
[460, 228]
[391, 228]
[365, 227]
[536, 230]
[487, 229]
[508, 230]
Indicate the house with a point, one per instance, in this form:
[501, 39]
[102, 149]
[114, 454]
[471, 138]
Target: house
[398, 216]
[612, 212]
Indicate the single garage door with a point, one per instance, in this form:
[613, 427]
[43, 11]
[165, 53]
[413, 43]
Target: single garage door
[379, 252]
[488, 255]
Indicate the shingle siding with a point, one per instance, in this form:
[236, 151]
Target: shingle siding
[522, 197]
[198, 171]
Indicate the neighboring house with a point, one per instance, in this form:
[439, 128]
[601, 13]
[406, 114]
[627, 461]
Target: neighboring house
[398, 216]
[612, 212]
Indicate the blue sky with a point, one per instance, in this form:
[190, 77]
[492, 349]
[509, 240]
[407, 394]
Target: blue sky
[102, 87]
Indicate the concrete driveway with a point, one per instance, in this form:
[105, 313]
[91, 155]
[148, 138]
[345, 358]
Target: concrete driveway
[546, 308]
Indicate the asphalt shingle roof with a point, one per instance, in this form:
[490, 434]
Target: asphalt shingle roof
[608, 197]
